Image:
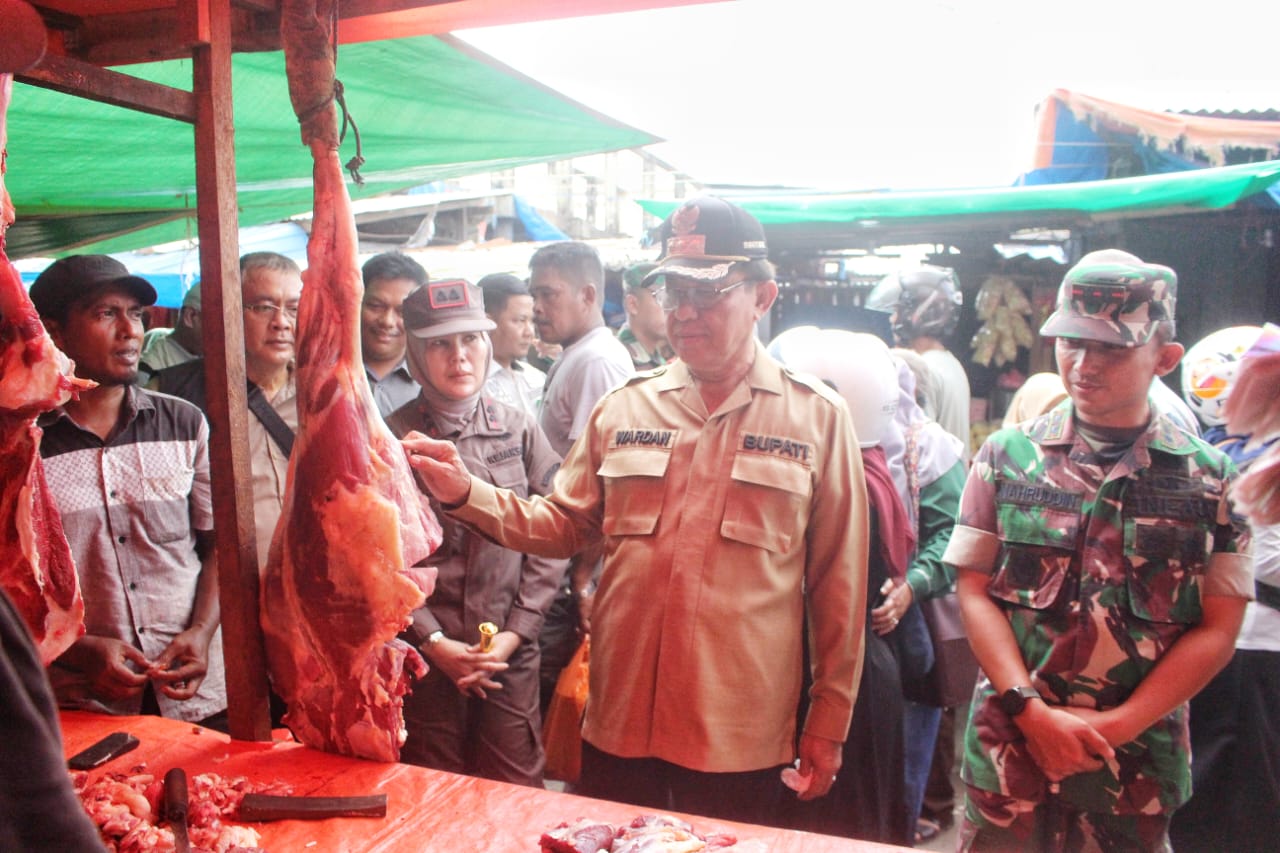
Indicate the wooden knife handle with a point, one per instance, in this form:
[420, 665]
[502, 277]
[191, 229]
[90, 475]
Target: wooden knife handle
[175, 795]
[262, 807]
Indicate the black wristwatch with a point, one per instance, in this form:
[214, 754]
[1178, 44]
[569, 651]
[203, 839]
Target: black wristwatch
[1014, 700]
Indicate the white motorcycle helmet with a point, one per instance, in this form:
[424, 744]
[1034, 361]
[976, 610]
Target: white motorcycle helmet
[857, 365]
[1209, 370]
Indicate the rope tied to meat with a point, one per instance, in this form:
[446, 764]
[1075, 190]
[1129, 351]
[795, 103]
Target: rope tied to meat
[339, 96]
[353, 165]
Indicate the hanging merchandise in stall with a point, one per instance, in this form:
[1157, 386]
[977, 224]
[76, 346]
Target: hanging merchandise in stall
[36, 568]
[343, 576]
[1004, 310]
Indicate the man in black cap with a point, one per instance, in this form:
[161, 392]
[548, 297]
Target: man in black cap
[129, 472]
[729, 496]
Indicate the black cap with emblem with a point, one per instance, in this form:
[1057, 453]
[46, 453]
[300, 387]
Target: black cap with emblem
[704, 237]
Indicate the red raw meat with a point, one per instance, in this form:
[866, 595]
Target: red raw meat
[36, 568]
[340, 581]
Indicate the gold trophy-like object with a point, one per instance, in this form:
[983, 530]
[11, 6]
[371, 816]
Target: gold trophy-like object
[487, 632]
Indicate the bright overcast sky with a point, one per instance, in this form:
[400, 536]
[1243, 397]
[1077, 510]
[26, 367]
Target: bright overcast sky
[894, 94]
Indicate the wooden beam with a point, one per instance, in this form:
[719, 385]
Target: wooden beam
[223, 330]
[64, 74]
[361, 8]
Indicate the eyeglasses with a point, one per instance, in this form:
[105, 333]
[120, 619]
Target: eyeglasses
[268, 310]
[701, 298]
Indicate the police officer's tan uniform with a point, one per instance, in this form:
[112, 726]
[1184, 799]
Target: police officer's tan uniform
[717, 528]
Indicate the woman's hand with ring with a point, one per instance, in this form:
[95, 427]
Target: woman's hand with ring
[897, 599]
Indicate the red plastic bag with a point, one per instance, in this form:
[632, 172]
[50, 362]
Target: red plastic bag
[562, 730]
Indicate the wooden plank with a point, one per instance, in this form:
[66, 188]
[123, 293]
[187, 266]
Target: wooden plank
[223, 330]
[172, 33]
[64, 74]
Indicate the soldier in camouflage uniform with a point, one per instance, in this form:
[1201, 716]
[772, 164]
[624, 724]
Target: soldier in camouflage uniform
[1102, 577]
[650, 349]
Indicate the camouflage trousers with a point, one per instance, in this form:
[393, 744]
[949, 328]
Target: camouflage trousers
[994, 823]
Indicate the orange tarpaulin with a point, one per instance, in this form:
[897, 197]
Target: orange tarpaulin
[427, 810]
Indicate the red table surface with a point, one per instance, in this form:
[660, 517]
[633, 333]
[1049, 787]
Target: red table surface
[427, 810]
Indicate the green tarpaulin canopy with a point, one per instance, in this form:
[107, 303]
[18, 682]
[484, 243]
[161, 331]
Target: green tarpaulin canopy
[84, 175]
[873, 217]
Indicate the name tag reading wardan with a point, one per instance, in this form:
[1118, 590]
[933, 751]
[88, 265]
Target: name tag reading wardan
[775, 445]
[644, 438]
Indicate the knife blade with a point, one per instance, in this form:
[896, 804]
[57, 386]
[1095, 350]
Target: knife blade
[175, 808]
[263, 807]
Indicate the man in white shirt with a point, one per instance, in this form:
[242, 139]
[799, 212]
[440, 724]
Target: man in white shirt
[567, 284]
[512, 380]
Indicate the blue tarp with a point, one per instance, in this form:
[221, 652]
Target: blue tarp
[174, 273]
[1089, 139]
[538, 229]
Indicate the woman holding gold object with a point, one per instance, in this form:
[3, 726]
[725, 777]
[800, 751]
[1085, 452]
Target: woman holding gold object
[476, 711]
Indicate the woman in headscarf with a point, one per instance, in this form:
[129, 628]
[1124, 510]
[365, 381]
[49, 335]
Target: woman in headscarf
[1037, 395]
[867, 800]
[476, 711]
[928, 468]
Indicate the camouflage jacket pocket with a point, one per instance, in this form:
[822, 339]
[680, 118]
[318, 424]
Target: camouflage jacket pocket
[1166, 561]
[1037, 546]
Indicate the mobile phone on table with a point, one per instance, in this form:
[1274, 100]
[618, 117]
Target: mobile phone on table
[111, 746]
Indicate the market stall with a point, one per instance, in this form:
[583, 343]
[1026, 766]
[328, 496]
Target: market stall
[77, 40]
[427, 810]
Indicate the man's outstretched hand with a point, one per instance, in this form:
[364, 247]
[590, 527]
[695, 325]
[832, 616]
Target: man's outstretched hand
[439, 468]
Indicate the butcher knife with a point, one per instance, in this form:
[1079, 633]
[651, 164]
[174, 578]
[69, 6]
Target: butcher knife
[269, 807]
[175, 808]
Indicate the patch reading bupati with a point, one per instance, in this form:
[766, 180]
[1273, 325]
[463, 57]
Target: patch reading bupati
[638, 437]
[1034, 495]
[777, 445]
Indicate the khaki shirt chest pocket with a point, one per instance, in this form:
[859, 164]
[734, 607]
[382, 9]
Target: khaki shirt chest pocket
[1166, 561]
[509, 474]
[767, 502]
[1037, 546]
[634, 483]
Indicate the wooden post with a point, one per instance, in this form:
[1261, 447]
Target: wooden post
[247, 693]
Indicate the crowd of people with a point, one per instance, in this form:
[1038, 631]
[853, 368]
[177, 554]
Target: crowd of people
[758, 540]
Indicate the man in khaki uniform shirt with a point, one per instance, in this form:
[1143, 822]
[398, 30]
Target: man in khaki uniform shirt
[730, 498]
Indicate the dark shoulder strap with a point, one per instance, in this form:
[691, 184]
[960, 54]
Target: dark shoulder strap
[184, 380]
[279, 431]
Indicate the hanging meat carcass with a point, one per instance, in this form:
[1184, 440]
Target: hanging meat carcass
[340, 582]
[36, 568]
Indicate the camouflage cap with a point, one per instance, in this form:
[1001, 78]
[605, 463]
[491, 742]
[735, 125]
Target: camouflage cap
[1113, 297]
[633, 278]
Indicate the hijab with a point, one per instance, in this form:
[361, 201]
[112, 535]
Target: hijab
[452, 416]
